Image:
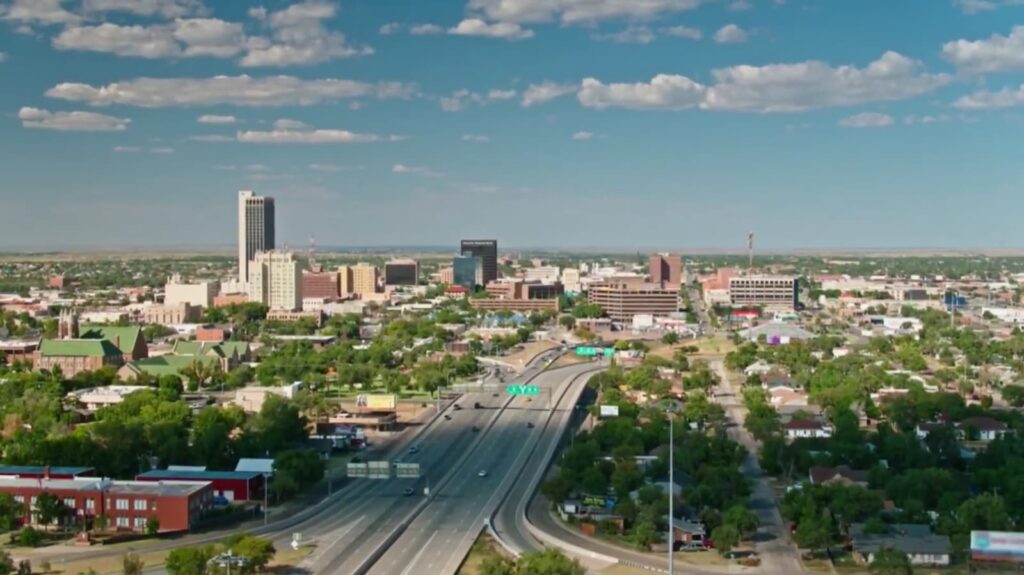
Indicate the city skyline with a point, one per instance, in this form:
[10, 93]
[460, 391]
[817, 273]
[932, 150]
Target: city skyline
[543, 124]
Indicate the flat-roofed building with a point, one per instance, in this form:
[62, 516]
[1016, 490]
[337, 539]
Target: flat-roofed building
[623, 298]
[519, 305]
[667, 269]
[195, 294]
[360, 279]
[401, 272]
[170, 314]
[487, 251]
[275, 279]
[467, 271]
[128, 505]
[764, 291]
[320, 284]
[231, 485]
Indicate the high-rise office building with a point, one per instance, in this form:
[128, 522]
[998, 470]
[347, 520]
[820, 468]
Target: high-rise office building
[360, 279]
[255, 229]
[667, 269]
[467, 271]
[401, 272]
[275, 279]
[487, 251]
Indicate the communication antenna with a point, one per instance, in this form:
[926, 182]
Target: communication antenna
[750, 253]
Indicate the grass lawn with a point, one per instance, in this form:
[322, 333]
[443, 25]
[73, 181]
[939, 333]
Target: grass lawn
[284, 558]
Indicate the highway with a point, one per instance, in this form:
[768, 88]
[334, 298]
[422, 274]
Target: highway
[439, 538]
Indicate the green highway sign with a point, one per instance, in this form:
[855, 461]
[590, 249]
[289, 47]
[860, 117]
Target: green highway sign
[523, 389]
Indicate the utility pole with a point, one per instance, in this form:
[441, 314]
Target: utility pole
[671, 495]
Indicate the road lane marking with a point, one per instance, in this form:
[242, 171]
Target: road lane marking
[417, 556]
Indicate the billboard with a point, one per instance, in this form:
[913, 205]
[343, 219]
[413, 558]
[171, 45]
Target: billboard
[379, 469]
[409, 470]
[604, 501]
[997, 546]
[357, 470]
[609, 411]
[377, 402]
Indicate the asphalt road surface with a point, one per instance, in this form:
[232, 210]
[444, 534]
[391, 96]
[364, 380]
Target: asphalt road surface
[440, 536]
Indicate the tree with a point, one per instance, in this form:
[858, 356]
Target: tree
[814, 532]
[567, 321]
[548, 562]
[6, 563]
[152, 526]
[29, 537]
[670, 338]
[889, 561]
[49, 508]
[725, 537]
[189, 560]
[743, 519]
[132, 564]
[10, 511]
[302, 466]
[258, 552]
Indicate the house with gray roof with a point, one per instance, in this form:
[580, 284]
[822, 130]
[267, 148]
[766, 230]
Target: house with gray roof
[919, 543]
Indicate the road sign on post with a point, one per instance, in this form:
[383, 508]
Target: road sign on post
[379, 470]
[533, 390]
[407, 470]
[357, 470]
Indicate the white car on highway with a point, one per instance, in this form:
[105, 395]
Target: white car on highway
[481, 473]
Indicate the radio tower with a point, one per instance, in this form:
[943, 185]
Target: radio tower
[750, 253]
[312, 255]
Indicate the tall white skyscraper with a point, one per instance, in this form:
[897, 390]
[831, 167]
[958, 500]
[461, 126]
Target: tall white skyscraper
[275, 278]
[255, 229]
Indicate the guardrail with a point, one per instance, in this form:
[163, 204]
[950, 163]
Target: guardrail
[396, 533]
[535, 480]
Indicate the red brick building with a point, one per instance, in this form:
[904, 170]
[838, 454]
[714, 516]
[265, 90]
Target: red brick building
[231, 485]
[319, 284]
[45, 472]
[210, 334]
[127, 505]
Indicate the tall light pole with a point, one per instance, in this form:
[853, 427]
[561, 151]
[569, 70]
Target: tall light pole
[671, 495]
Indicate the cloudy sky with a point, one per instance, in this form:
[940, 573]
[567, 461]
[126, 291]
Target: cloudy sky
[672, 123]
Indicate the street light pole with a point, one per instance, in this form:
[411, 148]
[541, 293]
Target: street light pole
[671, 495]
[266, 497]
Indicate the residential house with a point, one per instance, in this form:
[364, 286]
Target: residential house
[95, 398]
[685, 531]
[986, 428]
[759, 367]
[806, 428]
[842, 475]
[783, 397]
[917, 541]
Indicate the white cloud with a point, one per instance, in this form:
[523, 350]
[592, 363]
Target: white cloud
[663, 92]
[286, 124]
[544, 92]
[215, 119]
[683, 32]
[311, 136]
[212, 138]
[582, 135]
[976, 6]
[126, 149]
[183, 38]
[70, 121]
[927, 119]
[390, 28]
[995, 54]
[331, 168]
[139, 41]
[476, 138]
[986, 100]
[43, 12]
[867, 120]
[3, 57]
[577, 11]
[460, 99]
[209, 37]
[299, 37]
[773, 88]
[163, 8]
[630, 35]
[814, 84]
[418, 170]
[478, 27]
[357, 105]
[730, 34]
[739, 6]
[426, 29]
[236, 90]
[161, 150]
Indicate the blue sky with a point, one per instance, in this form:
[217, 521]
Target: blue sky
[598, 123]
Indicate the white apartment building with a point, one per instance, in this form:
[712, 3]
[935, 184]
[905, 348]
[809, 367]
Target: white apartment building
[571, 280]
[767, 291]
[543, 274]
[197, 294]
[275, 278]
